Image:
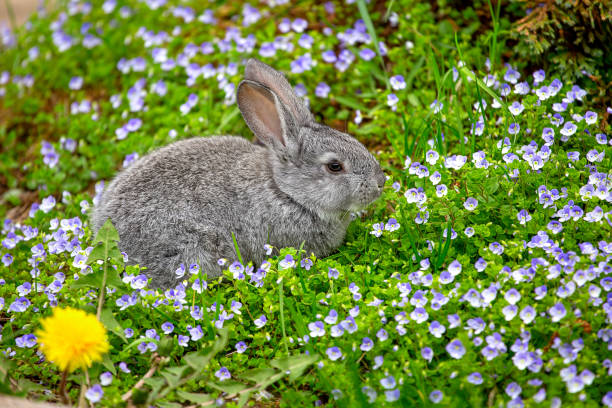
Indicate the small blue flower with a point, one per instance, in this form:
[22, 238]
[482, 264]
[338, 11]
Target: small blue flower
[241, 347]
[287, 262]
[223, 374]
[475, 378]
[260, 321]
[436, 396]
[455, 349]
[167, 327]
[94, 394]
[106, 378]
[388, 382]
[317, 329]
[470, 204]
[397, 82]
[334, 353]
[427, 353]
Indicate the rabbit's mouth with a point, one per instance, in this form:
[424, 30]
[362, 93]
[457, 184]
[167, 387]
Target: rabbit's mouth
[364, 201]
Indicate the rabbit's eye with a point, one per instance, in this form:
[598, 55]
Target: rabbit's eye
[335, 167]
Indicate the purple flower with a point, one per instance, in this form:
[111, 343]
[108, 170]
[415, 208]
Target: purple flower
[332, 317]
[392, 225]
[366, 344]
[287, 262]
[367, 54]
[196, 333]
[397, 82]
[382, 335]
[436, 396]
[475, 378]
[26, 341]
[223, 374]
[329, 56]
[514, 128]
[333, 273]
[317, 329]
[470, 204]
[334, 353]
[129, 159]
[388, 382]
[260, 321]
[183, 341]
[241, 347]
[523, 217]
[106, 378]
[306, 263]
[513, 390]
[299, 25]
[94, 394]
[167, 327]
[75, 83]
[455, 349]
[427, 353]
[20, 305]
[557, 312]
[139, 282]
[322, 90]
[527, 314]
[436, 106]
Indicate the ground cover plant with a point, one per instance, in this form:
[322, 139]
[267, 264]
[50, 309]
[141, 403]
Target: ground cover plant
[481, 277]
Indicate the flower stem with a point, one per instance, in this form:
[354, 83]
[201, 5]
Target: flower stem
[102, 291]
[62, 388]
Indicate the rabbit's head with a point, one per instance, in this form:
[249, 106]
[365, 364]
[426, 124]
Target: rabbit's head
[325, 170]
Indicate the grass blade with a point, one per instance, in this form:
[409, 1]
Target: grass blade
[365, 15]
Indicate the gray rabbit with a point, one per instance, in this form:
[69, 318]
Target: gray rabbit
[181, 203]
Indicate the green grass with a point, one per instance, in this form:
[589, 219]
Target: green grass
[442, 250]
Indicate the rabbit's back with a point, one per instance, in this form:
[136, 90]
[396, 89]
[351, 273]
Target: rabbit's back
[174, 205]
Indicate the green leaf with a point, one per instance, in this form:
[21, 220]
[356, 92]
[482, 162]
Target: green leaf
[482, 86]
[350, 102]
[227, 118]
[107, 233]
[27, 386]
[6, 366]
[259, 375]
[173, 375]
[106, 245]
[166, 404]
[365, 16]
[108, 364]
[194, 397]
[108, 320]
[94, 280]
[155, 383]
[244, 398]
[229, 387]
[198, 360]
[491, 185]
[101, 253]
[296, 365]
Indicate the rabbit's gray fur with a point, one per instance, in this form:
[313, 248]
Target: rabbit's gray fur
[180, 204]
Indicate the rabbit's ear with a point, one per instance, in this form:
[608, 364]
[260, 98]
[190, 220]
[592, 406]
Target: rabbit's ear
[257, 71]
[264, 113]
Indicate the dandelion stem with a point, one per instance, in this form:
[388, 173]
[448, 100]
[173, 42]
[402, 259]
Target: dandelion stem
[62, 388]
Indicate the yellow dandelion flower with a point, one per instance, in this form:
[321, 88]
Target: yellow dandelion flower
[72, 339]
